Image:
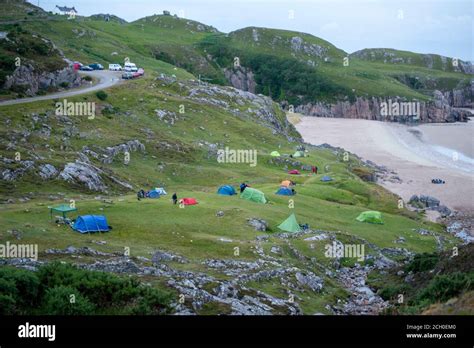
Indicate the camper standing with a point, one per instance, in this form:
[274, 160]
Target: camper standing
[175, 198]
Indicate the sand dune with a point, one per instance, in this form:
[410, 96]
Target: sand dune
[417, 154]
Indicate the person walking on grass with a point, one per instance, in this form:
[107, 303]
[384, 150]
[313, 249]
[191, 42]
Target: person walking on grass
[175, 198]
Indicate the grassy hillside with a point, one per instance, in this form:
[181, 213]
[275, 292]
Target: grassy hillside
[288, 65]
[180, 123]
[177, 158]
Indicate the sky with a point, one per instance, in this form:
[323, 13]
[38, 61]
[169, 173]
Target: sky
[444, 27]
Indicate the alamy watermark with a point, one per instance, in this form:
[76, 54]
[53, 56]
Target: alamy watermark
[237, 156]
[66, 108]
[337, 250]
[398, 109]
[22, 251]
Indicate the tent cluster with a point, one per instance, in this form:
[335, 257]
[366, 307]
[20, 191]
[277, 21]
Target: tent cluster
[153, 193]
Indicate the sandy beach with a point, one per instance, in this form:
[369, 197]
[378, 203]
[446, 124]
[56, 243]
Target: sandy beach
[417, 154]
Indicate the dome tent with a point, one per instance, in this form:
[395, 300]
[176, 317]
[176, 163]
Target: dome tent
[290, 224]
[189, 201]
[373, 217]
[275, 154]
[285, 191]
[298, 154]
[251, 194]
[226, 190]
[294, 172]
[91, 223]
[156, 193]
[326, 178]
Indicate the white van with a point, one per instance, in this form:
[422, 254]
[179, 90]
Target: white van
[130, 67]
[115, 67]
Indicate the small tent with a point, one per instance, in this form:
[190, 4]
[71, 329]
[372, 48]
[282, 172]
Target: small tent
[294, 172]
[153, 194]
[161, 191]
[91, 223]
[298, 154]
[285, 183]
[189, 201]
[253, 195]
[285, 191]
[290, 224]
[373, 217]
[326, 178]
[275, 154]
[226, 190]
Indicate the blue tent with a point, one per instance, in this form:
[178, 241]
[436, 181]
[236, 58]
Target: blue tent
[326, 178]
[91, 223]
[285, 191]
[226, 190]
[154, 194]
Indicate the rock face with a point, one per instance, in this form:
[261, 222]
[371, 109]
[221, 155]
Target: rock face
[258, 224]
[438, 110]
[28, 78]
[90, 176]
[241, 78]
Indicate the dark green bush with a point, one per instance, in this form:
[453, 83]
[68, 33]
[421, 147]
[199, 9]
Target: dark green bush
[391, 292]
[19, 285]
[444, 287]
[57, 301]
[101, 95]
[422, 262]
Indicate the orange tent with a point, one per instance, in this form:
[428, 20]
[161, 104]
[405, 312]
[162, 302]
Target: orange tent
[286, 183]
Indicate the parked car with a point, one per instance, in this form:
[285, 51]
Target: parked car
[115, 67]
[127, 75]
[141, 72]
[130, 67]
[86, 68]
[96, 66]
[136, 74]
[77, 65]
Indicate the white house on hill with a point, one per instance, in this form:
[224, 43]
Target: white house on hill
[64, 10]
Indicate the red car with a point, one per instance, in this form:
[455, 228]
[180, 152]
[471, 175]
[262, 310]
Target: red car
[77, 66]
[139, 72]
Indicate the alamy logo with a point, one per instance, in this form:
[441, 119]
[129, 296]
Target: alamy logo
[37, 331]
[237, 156]
[400, 109]
[338, 250]
[66, 108]
[23, 251]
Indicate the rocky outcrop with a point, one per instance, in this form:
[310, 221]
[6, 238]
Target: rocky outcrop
[90, 176]
[258, 108]
[431, 61]
[29, 79]
[241, 78]
[438, 110]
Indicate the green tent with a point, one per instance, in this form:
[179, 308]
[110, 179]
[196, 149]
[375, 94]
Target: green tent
[290, 224]
[298, 154]
[63, 209]
[373, 217]
[275, 154]
[253, 195]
